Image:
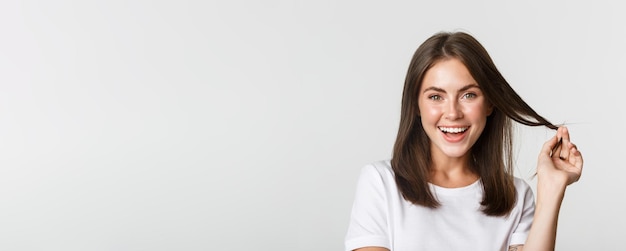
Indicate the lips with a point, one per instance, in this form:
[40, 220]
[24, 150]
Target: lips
[453, 134]
[453, 129]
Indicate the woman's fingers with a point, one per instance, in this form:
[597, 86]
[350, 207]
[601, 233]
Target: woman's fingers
[574, 154]
[578, 162]
[548, 146]
[556, 149]
[566, 145]
[574, 166]
[576, 157]
[572, 159]
[560, 157]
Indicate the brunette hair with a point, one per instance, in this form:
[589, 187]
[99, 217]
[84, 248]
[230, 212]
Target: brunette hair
[492, 152]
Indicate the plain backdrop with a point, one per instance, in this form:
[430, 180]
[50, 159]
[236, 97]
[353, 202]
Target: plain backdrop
[242, 125]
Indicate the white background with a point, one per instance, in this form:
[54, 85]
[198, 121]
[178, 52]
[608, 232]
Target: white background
[242, 125]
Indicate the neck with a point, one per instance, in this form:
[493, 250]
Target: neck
[452, 172]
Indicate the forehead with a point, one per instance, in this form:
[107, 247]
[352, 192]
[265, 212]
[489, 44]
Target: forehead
[447, 74]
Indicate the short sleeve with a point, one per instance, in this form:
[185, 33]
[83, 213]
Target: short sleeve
[520, 233]
[369, 218]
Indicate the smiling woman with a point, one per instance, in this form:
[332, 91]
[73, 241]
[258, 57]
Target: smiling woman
[450, 183]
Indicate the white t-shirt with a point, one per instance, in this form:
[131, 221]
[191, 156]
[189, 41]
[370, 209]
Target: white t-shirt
[381, 217]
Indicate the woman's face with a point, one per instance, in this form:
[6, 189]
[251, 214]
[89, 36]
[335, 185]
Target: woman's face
[452, 108]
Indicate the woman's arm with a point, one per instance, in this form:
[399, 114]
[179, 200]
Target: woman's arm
[556, 169]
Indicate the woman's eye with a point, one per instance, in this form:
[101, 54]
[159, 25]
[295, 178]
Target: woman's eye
[434, 97]
[469, 95]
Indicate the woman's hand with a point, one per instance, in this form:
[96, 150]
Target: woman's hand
[559, 165]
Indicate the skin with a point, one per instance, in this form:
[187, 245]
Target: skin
[450, 97]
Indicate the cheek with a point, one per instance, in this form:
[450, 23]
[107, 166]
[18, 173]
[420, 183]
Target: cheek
[429, 110]
[430, 114]
[477, 110]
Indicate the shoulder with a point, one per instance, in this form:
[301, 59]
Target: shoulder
[521, 185]
[524, 191]
[381, 169]
[378, 173]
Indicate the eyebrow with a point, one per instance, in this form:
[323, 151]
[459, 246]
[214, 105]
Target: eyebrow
[464, 88]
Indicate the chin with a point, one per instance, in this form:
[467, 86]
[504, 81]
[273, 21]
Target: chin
[456, 153]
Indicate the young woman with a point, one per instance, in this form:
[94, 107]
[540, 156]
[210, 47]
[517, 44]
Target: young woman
[450, 184]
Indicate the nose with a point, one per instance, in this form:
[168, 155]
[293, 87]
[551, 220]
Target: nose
[453, 110]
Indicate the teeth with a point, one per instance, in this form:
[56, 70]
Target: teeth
[453, 129]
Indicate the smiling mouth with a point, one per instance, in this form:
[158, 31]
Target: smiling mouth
[453, 130]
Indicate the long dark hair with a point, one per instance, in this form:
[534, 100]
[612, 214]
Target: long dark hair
[491, 154]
